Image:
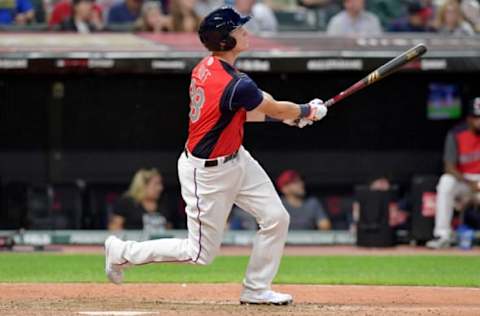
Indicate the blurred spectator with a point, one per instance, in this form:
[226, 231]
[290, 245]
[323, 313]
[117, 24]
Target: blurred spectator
[84, 20]
[428, 10]
[263, 18]
[142, 206]
[184, 17]
[313, 3]
[106, 6]
[339, 210]
[41, 9]
[461, 180]
[387, 10]
[127, 11]
[354, 20]
[397, 214]
[62, 12]
[380, 184]
[152, 19]
[449, 20]
[415, 21]
[19, 12]
[284, 5]
[471, 11]
[241, 220]
[305, 213]
[323, 11]
[204, 7]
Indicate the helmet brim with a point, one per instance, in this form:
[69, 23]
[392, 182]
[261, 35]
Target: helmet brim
[244, 19]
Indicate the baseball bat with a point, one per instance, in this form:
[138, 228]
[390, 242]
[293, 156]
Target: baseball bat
[380, 73]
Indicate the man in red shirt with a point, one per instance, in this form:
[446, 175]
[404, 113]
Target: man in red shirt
[62, 11]
[462, 173]
[215, 171]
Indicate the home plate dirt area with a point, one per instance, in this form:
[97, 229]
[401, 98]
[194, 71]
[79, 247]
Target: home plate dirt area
[222, 299]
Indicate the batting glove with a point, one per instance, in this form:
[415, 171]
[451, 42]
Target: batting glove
[300, 123]
[317, 110]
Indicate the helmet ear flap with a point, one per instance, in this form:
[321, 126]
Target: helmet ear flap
[228, 43]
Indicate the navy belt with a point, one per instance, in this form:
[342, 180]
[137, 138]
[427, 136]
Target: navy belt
[215, 162]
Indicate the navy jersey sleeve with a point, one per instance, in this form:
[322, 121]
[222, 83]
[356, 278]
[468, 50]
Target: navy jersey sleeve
[245, 94]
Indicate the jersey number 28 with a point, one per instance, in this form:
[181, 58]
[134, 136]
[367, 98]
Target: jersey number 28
[197, 98]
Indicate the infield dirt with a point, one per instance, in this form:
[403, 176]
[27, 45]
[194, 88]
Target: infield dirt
[222, 299]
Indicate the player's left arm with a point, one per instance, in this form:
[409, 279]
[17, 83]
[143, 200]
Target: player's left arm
[264, 107]
[258, 115]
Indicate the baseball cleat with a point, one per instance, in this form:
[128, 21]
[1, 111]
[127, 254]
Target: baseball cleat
[438, 243]
[266, 297]
[113, 259]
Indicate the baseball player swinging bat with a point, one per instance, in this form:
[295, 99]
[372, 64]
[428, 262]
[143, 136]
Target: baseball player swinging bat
[215, 170]
[383, 71]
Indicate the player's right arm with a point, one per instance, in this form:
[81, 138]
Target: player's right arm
[452, 169]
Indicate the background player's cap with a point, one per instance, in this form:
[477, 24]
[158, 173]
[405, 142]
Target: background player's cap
[474, 107]
[287, 177]
[215, 29]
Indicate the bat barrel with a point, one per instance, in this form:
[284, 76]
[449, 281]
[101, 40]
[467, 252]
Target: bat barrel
[381, 72]
[396, 63]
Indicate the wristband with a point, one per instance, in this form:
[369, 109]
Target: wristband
[305, 110]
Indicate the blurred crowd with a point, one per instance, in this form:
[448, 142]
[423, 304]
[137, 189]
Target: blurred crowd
[335, 17]
[143, 206]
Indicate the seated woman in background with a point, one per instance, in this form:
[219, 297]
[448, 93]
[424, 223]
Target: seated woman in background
[84, 18]
[450, 20]
[184, 17]
[141, 207]
[152, 19]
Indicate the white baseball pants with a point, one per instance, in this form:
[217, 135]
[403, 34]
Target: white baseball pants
[448, 189]
[209, 194]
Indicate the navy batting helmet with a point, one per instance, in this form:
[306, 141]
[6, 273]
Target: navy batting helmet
[215, 29]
